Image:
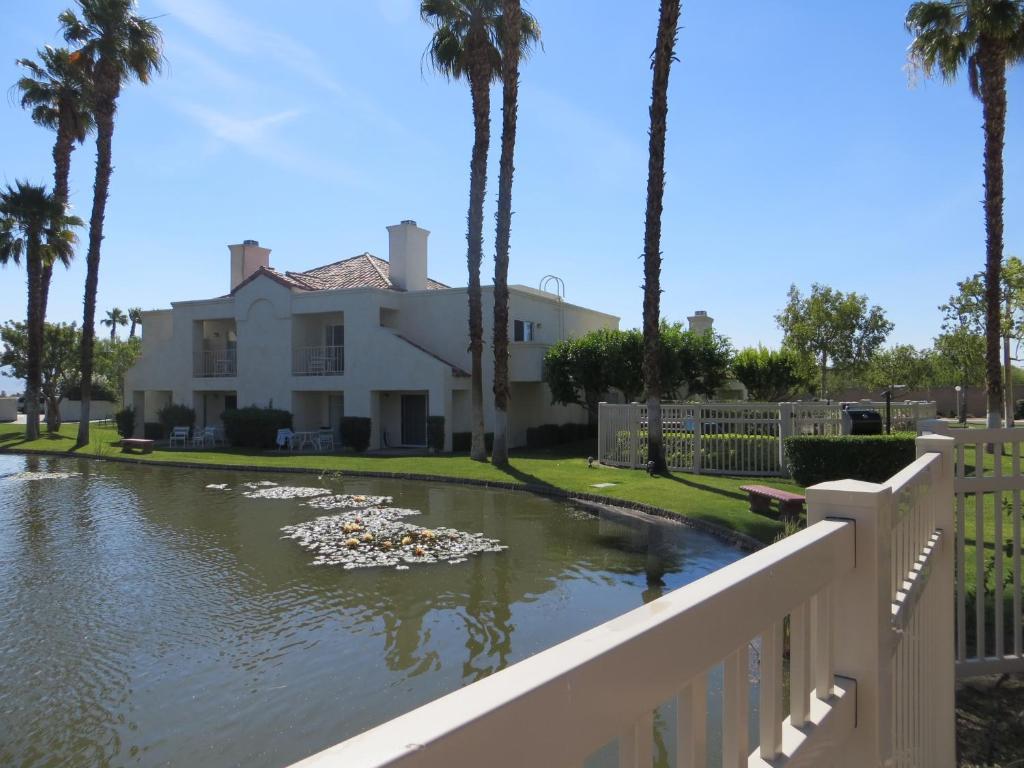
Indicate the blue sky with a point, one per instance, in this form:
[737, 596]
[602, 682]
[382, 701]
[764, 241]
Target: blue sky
[797, 152]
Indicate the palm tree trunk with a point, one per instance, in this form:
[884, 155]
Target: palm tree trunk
[992, 68]
[104, 136]
[480, 89]
[511, 11]
[34, 326]
[668, 23]
[131, 330]
[62, 150]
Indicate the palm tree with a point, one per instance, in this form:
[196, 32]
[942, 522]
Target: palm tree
[664, 53]
[465, 45]
[115, 45]
[34, 226]
[55, 89]
[135, 317]
[518, 32]
[985, 37]
[114, 318]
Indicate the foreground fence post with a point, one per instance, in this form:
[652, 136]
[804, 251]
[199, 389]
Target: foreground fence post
[943, 688]
[861, 609]
[785, 430]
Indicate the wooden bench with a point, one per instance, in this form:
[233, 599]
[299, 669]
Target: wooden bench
[129, 444]
[762, 496]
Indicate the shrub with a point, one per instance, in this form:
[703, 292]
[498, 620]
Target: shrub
[176, 415]
[549, 435]
[435, 433]
[98, 391]
[153, 430]
[254, 427]
[125, 420]
[872, 458]
[462, 441]
[355, 432]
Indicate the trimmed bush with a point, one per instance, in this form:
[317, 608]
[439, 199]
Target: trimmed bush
[125, 420]
[98, 391]
[461, 441]
[355, 432]
[254, 427]
[435, 433]
[176, 415]
[550, 435]
[872, 458]
[153, 430]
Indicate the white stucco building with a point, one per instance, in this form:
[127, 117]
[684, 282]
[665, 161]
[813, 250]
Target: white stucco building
[357, 337]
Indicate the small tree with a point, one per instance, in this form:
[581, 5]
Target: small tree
[58, 364]
[112, 359]
[832, 326]
[769, 375]
[901, 364]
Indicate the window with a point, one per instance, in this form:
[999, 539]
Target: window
[334, 335]
[522, 330]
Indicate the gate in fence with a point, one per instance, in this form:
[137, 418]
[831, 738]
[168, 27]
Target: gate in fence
[728, 438]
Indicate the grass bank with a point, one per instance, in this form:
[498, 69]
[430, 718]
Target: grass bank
[705, 499]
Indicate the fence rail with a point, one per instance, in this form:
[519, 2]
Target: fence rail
[865, 593]
[215, 362]
[728, 438]
[318, 361]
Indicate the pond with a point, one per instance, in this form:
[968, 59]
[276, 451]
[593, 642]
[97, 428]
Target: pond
[149, 618]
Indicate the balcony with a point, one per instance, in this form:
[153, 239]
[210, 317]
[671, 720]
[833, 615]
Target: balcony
[318, 361]
[215, 362]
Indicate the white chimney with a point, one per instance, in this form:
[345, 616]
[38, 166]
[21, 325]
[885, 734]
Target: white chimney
[246, 258]
[407, 256]
[700, 321]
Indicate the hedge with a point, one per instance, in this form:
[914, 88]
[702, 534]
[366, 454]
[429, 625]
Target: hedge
[435, 433]
[355, 432]
[125, 420]
[548, 435]
[254, 427]
[176, 415]
[872, 458]
[98, 391]
[153, 430]
[462, 441]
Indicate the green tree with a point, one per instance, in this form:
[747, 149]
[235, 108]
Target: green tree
[581, 370]
[135, 317]
[58, 367]
[114, 45]
[56, 91]
[959, 358]
[114, 318]
[901, 364]
[698, 362]
[832, 326]
[985, 37]
[466, 44]
[769, 375]
[661, 64]
[34, 227]
[518, 32]
[113, 358]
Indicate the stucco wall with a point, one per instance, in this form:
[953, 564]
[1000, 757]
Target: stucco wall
[8, 408]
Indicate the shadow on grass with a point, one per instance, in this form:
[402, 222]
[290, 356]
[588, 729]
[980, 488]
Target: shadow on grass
[738, 495]
[525, 477]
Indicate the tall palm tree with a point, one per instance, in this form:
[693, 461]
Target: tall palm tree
[55, 89]
[135, 318]
[114, 318]
[518, 32]
[465, 45]
[661, 63]
[34, 226]
[984, 37]
[116, 45]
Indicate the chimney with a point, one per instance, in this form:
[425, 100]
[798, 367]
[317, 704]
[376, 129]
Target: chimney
[407, 256]
[700, 321]
[246, 258]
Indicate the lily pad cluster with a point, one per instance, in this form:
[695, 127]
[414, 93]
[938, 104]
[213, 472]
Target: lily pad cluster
[379, 537]
[349, 501]
[285, 492]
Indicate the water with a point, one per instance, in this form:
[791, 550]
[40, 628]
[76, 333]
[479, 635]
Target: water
[146, 619]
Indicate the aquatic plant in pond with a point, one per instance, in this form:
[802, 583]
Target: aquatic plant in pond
[349, 501]
[377, 537]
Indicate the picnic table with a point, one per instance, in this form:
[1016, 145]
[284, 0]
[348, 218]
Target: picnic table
[131, 444]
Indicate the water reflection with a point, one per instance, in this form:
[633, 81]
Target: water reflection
[145, 618]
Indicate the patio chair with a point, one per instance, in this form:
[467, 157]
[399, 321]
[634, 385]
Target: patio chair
[285, 438]
[204, 437]
[325, 439]
[178, 435]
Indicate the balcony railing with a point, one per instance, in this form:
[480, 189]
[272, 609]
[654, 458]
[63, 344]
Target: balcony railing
[318, 361]
[215, 362]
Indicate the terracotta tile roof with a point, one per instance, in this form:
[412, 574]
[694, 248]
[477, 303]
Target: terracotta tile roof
[456, 371]
[362, 271]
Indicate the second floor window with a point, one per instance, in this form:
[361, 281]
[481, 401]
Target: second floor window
[522, 330]
[334, 336]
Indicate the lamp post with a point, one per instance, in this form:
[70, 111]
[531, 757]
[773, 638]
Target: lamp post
[959, 410]
[888, 406]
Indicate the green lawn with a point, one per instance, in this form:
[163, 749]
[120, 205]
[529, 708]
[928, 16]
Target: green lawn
[706, 498]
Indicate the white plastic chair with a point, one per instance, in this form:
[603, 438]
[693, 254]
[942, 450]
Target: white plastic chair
[325, 440]
[285, 438]
[178, 435]
[204, 437]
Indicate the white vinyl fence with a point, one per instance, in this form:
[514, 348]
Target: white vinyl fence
[988, 486]
[866, 594]
[729, 438]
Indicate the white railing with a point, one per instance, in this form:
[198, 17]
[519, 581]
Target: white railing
[728, 438]
[866, 595]
[988, 485]
[318, 361]
[215, 362]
